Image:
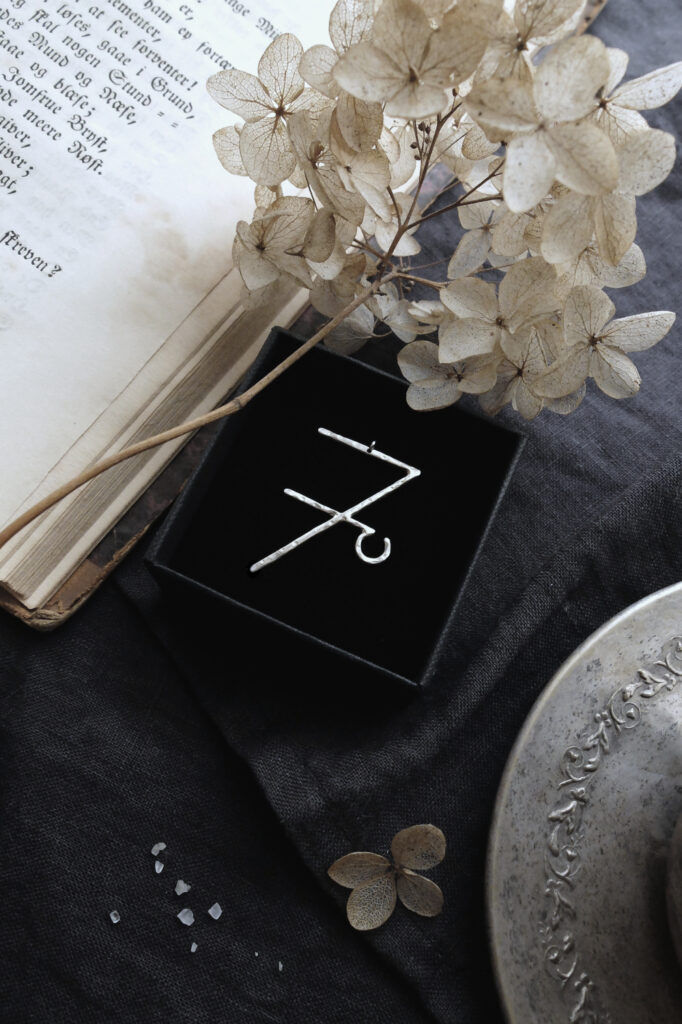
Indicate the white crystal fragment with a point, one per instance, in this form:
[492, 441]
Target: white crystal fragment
[181, 887]
[115, 916]
[186, 916]
[216, 911]
[158, 866]
[255, 954]
[193, 948]
[157, 848]
[280, 966]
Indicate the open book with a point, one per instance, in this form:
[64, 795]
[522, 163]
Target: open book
[120, 313]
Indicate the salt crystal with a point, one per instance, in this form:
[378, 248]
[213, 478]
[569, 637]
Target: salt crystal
[186, 916]
[255, 954]
[158, 867]
[193, 948]
[157, 848]
[216, 911]
[181, 887]
[280, 965]
[115, 916]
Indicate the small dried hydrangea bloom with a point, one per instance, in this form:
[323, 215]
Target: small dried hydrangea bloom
[543, 149]
[596, 345]
[378, 882]
[265, 103]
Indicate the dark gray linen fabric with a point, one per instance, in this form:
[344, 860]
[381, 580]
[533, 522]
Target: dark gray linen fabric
[116, 733]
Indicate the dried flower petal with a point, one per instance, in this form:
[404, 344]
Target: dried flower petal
[419, 894]
[357, 869]
[317, 68]
[614, 373]
[471, 298]
[541, 20]
[359, 122]
[645, 160]
[278, 69]
[226, 144]
[470, 255]
[266, 151]
[637, 333]
[460, 339]
[240, 93]
[615, 226]
[529, 171]
[586, 312]
[570, 77]
[320, 237]
[350, 22]
[567, 229]
[567, 374]
[585, 158]
[652, 90]
[419, 847]
[371, 904]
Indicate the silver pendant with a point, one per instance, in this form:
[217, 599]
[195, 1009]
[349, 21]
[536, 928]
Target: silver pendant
[349, 515]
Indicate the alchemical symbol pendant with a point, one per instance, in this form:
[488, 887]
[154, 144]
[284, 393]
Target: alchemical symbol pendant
[349, 515]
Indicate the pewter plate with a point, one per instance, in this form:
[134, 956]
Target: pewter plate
[584, 818]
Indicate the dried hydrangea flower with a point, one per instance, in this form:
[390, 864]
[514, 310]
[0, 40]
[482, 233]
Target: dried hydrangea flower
[645, 159]
[434, 384]
[265, 103]
[377, 882]
[473, 249]
[519, 374]
[616, 108]
[540, 116]
[548, 151]
[589, 268]
[518, 34]
[596, 345]
[527, 295]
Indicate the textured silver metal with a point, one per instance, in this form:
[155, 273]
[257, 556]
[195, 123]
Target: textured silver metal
[582, 831]
[675, 889]
[347, 516]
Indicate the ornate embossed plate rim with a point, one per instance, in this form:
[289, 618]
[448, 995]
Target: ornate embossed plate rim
[586, 1005]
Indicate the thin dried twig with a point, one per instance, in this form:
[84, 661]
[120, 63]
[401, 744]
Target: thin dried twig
[228, 409]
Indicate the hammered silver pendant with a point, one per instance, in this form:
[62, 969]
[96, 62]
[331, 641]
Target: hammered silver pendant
[348, 515]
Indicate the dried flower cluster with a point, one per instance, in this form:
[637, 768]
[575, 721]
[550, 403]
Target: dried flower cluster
[378, 882]
[547, 151]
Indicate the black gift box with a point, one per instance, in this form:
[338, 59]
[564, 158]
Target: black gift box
[320, 611]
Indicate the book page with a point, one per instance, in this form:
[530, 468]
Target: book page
[116, 217]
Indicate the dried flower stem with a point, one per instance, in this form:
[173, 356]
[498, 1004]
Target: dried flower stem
[462, 199]
[437, 285]
[234, 405]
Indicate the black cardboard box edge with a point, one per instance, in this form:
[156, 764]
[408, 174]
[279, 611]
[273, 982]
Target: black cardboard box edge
[202, 612]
